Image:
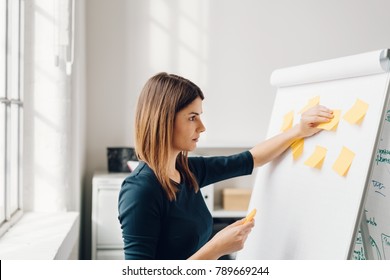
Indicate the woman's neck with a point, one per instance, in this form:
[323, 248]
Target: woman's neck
[173, 173]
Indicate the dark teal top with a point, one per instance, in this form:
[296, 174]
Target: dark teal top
[154, 227]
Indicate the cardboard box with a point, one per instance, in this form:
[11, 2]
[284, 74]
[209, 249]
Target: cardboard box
[236, 199]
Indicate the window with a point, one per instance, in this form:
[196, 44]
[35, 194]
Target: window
[11, 107]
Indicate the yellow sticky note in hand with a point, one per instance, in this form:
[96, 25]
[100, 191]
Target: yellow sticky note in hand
[344, 161]
[356, 114]
[317, 158]
[311, 103]
[333, 123]
[288, 121]
[297, 148]
[250, 216]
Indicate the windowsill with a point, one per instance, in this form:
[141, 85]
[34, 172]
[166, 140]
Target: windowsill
[42, 236]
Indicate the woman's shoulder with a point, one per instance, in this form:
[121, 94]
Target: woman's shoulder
[142, 191]
[142, 181]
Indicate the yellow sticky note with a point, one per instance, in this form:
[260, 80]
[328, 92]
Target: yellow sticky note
[356, 114]
[250, 216]
[288, 121]
[344, 161]
[317, 158]
[311, 103]
[297, 148]
[333, 123]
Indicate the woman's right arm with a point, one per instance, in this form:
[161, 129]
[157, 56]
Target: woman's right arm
[140, 220]
[229, 240]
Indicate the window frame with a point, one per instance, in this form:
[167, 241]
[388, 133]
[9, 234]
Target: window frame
[11, 104]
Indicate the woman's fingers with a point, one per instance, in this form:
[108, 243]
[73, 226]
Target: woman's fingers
[317, 114]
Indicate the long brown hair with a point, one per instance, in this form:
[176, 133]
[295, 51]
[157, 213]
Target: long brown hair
[161, 98]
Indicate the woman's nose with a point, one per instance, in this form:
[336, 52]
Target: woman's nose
[202, 128]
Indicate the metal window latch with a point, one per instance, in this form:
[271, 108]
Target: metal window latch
[16, 101]
[5, 101]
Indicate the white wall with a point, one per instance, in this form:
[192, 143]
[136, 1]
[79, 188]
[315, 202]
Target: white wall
[228, 47]
[54, 122]
[46, 118]
[54, 111]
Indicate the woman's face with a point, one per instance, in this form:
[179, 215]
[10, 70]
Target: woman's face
[188, 126]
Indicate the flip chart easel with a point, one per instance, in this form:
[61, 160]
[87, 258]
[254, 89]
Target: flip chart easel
[311, 199]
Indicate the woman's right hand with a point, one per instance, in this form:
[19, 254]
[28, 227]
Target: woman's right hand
[228, 240]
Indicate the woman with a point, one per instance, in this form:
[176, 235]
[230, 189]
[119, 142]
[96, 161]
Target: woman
[161, 211]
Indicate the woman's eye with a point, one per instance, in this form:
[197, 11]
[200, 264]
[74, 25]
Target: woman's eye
[192, 118]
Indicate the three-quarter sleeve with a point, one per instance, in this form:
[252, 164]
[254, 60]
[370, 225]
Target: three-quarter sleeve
[209, 170]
